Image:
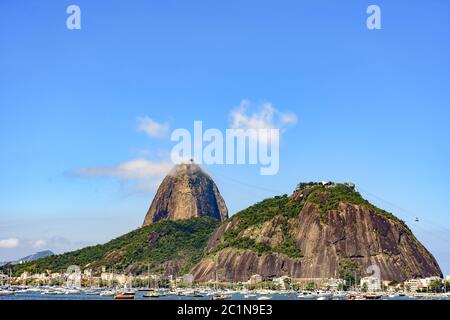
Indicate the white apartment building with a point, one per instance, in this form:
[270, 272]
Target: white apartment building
[372, 283]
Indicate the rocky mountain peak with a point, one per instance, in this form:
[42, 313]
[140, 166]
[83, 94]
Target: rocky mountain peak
[323, 230]
[186, 192]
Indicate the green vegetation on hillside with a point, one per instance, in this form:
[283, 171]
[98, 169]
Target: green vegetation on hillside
[328, 198]
[350, 271]
[182, 241]
[258, 214]
[266, 210]
[244, 243]
[288, 247]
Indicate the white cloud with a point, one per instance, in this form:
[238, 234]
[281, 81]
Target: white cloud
[137, 168]
[288, 118]
[143, 173]
[58, 241]
[9, 243]
[152, 128]
[264, 116]
[37, 244]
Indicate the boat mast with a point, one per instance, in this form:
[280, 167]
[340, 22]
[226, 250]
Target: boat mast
[148, 275]
[215, 269]
[131, 280]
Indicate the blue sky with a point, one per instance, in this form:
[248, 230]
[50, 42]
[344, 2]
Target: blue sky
[372, 107]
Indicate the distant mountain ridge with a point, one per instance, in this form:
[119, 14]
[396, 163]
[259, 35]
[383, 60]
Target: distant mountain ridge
[30, 258]
[36, 256]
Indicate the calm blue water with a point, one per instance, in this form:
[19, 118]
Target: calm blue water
[139, 296]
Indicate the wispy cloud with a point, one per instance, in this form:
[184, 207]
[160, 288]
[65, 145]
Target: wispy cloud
[58, 241]
[260, 116]
[38, 244]
[9, 243]
[152, 128]
[143, 173]
[264, 116]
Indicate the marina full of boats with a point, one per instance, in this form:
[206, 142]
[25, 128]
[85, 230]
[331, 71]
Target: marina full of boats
[64, 293]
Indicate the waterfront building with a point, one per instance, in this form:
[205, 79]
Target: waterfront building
[371, 283]
[281, 281]
[254, 279]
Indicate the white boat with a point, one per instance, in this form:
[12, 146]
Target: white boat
[128, 292]
[190, 293]
[249, 295]
[71, 291]
[221, 296]
[307, 295]
[231, 292]
[338, 295]
[108, 293]
[6, 292]
[151, 294]
[265, 298]
[92, 293]
[51, 292]
[324, 295]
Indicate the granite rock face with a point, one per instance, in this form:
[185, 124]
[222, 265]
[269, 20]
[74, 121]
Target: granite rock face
[186, 192]
[328, 237]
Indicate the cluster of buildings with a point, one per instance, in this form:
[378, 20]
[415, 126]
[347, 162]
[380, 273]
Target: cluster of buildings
[420, 284]
[371, 283]
[284, 282]
[327, 184]
[77, 278]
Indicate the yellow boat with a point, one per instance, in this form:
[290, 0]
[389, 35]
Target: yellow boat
[151, 295]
